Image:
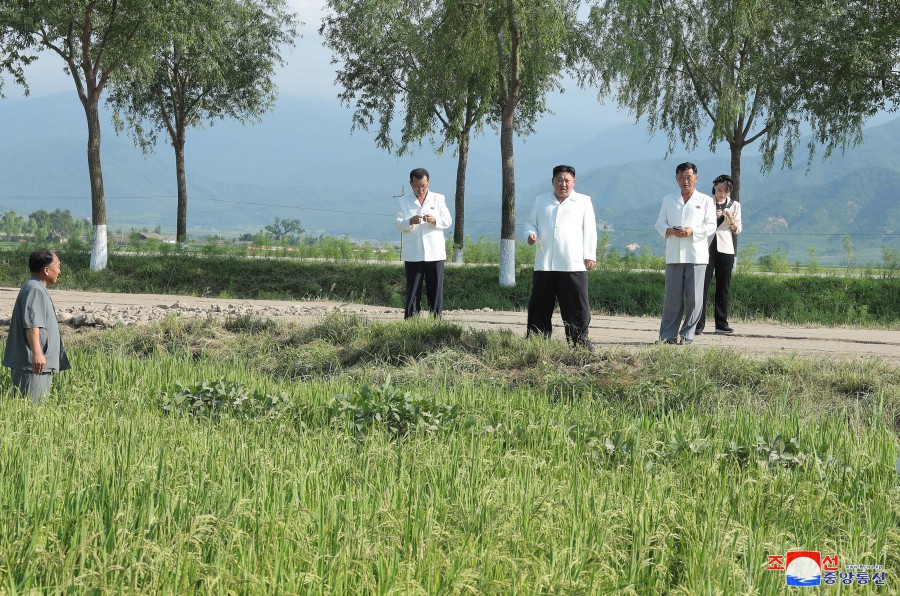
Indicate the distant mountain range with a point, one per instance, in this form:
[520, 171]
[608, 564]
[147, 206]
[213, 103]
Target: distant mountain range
[302, 162]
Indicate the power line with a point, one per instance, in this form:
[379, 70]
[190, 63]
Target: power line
[72, 198]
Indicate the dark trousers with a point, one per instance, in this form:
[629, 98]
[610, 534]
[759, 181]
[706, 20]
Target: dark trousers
[570, 289]
[431, 274]
[721, 264]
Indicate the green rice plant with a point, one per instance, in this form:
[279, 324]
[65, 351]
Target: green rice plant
[337, 328]
[402, 342]
[621, 490]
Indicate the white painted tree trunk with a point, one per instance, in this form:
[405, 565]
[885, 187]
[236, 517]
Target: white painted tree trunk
[458, 256]
[507, 263]
[98, 251]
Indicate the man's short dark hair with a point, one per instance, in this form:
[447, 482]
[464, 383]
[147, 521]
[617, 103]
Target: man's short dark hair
[685, 166]
[418, 174]
[563, 170]
[42, 257]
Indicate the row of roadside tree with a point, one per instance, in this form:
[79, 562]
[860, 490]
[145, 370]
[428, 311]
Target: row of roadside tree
[164, 66]
[444, 70]
[748, 70]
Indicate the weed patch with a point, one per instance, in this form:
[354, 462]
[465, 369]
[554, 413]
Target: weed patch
[212, 399]
[397, 411]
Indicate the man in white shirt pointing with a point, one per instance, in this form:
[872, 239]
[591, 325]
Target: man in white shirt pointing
[563, 226]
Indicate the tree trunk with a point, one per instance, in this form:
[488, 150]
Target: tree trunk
[508, 209]
[512, 90]
[736, 148]
[98, 199]
[181, 223]
[459, 224]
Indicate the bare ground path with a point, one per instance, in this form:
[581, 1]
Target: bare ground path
[752, 339]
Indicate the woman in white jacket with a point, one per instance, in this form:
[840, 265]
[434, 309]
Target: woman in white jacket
[721, 253]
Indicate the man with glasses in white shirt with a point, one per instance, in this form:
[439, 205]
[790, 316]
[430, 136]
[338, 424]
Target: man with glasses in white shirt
[685, 220]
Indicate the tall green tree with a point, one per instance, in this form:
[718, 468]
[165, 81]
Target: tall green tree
[289, 230]
[57, 223]
[535, 41]
[14, 54]
[214, 59]
[94, 38]
[12, 223]
[855, 44]
[735, 65]
[428, 64]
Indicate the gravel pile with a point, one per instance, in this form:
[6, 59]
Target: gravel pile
[107, 315]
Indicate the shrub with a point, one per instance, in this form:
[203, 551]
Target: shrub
[777, 262]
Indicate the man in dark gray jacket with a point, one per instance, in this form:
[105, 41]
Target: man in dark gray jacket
[34, 349]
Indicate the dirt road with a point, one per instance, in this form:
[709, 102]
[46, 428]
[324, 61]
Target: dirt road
[751, 339]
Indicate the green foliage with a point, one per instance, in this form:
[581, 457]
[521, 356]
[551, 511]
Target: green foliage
[848, 250]
[389, 52]
[96, 41]
[398, 412]
[890, 258]
[603, 247]
[248, 324]
[189, 78]
[812, 263]
[777, 262]
[861, 42]
[602, 449]
[219, 397]
[206, 61]
[13, 223]
[776, 452]
[57, 223]
[746, 258]
[287, 230]
[15, 54]
[734, 69]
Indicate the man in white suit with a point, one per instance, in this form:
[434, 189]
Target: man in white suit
[422, 220]
[564, 227]
[686, 219]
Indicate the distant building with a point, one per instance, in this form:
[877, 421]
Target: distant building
[155, 236]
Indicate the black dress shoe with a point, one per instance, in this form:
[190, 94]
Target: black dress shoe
[725, 329]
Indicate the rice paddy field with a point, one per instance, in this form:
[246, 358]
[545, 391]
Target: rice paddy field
[362, 457]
